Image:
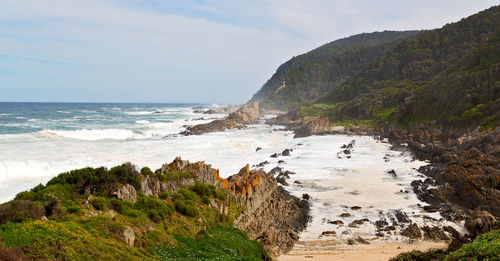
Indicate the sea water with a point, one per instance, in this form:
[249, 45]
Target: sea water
[40, 140]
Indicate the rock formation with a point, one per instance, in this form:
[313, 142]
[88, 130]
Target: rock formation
[247, 114]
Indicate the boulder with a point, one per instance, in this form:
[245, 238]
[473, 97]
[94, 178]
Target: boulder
[127, 192]
[480, 222]
[128, 235]
[434, 233]
[247, 114]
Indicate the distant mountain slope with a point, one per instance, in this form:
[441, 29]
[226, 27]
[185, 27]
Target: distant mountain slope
[448, 76]
[306, 77]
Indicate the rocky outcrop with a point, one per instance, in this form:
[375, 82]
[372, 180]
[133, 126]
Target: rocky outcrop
[128, 236]
[481, 222]
[247, 114]
[267, 212]
[127, 192]
[412, 231]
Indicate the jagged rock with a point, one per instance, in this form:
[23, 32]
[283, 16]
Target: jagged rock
[297, 182]
[281, 179]
[347, 152]
[362, 240]
[286, 152]
[274, 155]
[393, 173]
[247, 114]
[128, 236]
[401, 216]
[412, 231]
[329, 233]
[434, 233]
[127, 192]
[351, 241]
[223, 109]
[480, 222]
[258, 148]
[306, 196]
[431, 208]
[336, 222]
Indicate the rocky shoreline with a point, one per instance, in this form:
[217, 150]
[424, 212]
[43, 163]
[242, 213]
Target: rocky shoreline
[462, 180]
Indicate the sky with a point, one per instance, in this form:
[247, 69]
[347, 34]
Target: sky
[191, 51]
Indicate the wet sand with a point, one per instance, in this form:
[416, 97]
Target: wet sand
[320, 250]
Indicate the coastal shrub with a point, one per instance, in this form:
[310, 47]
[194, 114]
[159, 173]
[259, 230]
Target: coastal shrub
[164, 195]
[117, 205]
[99, 203]
[220, 194]
[186, 207]
[484, 247]
[183, 193]
[203, 189]
[205, 200]
[146, 171]
[219, 243]
[154, 208]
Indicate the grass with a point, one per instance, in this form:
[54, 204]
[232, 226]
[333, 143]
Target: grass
[219, 243]
[161, 225]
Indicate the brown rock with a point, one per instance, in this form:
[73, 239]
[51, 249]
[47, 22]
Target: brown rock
[412, 231]
[329, 233]
[480, 222]
[434, 233]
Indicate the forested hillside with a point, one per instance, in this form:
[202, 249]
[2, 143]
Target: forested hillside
[448, 76]
[306, 77]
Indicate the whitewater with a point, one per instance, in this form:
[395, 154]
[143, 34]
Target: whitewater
[39, 141]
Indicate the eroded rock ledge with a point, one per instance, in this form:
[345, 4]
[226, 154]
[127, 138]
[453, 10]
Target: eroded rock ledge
[247, 114]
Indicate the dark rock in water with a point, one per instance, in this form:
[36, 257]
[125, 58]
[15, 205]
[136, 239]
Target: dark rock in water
[274, 155]
[347, 152]
[431, 208]
[380, 224]
[247, 114]
[280, 179]
[348, 156]
[345, 215]
[306, 196]
[356, 208]
[297, 182]
[457, 240]
[281, 161]
[257, 149]
[263, 163]
[351, 241]
[362, 240]
[286, 152]
[434, 233]
[287, 173]
[336, 222]
[276, 171]
[357, 222]
[401, 216]
[386, 159]
[480, 222]
[393, 173]
[412, 231]
[329, 233]
[343, 146]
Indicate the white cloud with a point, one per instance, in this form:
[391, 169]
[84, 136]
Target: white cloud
[213, 51]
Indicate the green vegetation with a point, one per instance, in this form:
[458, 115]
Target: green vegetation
[84, 227]
[305, 78]
[219, 243]
[447, 78]
[484, 247]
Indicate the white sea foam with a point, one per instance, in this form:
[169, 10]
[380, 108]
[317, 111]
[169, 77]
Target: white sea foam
[333, 183]
[97, 134]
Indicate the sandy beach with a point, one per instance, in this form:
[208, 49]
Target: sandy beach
[371, 252]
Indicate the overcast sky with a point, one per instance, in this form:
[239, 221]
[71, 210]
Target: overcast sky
[212, 51]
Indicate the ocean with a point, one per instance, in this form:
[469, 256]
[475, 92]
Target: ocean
[40, 140]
